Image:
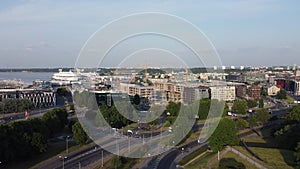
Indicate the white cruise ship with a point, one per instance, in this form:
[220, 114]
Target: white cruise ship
[64, 78]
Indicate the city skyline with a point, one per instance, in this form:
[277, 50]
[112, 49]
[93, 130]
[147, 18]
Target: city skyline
[51, 33]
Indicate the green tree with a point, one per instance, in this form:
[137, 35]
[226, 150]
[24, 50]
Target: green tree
[62, 91]
[225, 134]
[204, 106]
[252, 121]
[15, 105]
[263, 92]
[262, 115]
[39, 142]
[251, 103]
[22, 139]
[242, 124]
[240, 107]
[261, 103]
[226, 110]
[55, 119]
[173, 108]
[79, 134]
[295, 114]
[281, 94]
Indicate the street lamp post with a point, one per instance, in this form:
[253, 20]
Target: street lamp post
[129, 144]
[102, 158]
[63, 163]
[67, 144]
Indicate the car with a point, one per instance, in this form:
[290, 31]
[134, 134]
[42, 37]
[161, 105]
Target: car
[129, 131]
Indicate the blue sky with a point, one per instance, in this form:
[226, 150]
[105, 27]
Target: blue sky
[44, 33]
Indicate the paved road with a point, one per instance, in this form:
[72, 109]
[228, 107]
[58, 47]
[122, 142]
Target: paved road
[167, 161]
[57, 162]
[86, 159]
[33, 114]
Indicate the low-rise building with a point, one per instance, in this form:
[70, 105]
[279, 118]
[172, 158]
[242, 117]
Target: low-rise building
[241, 91]
[39, 98]
[272, 90]
[254, 91]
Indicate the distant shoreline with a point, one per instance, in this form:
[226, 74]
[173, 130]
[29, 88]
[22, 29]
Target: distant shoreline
[29, 70]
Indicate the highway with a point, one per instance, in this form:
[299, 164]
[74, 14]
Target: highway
[90, 155]
[21, 116]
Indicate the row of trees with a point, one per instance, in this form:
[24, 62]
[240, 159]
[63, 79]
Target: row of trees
[261, 116]
[15, 105]
[22, 139]
[111, 115]
[241, 106]
[199, 108]
[226, 132]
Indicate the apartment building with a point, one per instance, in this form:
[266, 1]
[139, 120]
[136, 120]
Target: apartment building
[254, 91]
[223, 92]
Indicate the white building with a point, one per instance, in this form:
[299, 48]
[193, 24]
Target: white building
[223, 92]
[297, 88]
[273, 90]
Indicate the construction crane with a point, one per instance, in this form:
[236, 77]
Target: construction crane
[295, 72]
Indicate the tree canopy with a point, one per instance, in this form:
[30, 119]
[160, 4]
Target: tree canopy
[55, 119]
[173, 108]
[15, 105]
[281, 94]
[294, 115]
[262, 115]
[251, 103]
[225, 134]
[79, 134]
[240, 107]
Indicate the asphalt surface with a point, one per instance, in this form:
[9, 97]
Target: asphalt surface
[167, 161]
[87, 156]
[69, 160]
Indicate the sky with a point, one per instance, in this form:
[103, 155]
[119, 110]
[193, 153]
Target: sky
[51, 33]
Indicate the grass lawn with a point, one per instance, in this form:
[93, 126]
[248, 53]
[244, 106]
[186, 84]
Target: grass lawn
[55, 150]
[130, 127]
[266, 149]
[237, 158]
[289, 99]
[33, 161]
[264, 139]
[248, 129]
[130, 163]
[275, 158]
[202, 161]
